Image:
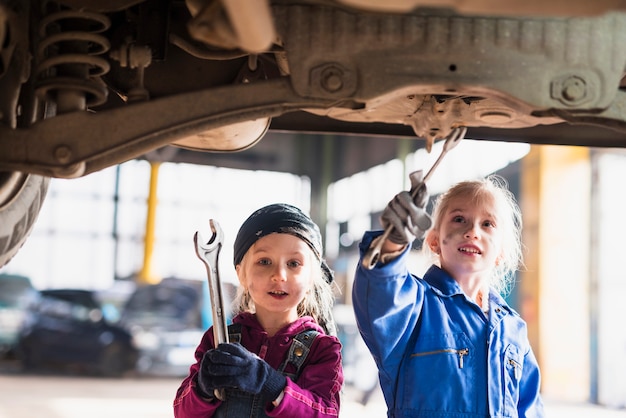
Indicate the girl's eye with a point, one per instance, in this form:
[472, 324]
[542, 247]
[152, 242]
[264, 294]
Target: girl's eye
[264, 262]
[457, 219]
[294, 264]
[489, 224]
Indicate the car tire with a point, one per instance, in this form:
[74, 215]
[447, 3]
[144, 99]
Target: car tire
[28, 358]
[113, 361]
[21, 198]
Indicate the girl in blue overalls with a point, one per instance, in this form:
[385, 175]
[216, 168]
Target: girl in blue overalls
[284, 359]
[448, 345]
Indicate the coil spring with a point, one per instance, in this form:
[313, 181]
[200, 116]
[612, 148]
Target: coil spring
[69, 58]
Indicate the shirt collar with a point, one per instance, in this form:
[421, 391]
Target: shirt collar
[443, 284]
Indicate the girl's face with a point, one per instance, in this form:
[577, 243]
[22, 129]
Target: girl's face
[277, 272]
[469, 240]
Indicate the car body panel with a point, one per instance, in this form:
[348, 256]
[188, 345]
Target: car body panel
[16, 295]
[66, 328]
[166, 322]
[432, 69]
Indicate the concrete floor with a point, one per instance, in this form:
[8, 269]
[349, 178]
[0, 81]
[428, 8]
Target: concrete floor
[57, 396]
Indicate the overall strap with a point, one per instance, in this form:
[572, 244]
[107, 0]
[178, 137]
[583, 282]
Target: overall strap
[298, 352]
[234, 333]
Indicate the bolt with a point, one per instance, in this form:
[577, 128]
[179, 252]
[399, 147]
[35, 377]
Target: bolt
[573, 89]
[332, 79]
[63, 153]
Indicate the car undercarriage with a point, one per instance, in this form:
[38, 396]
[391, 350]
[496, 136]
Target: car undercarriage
[86, 84]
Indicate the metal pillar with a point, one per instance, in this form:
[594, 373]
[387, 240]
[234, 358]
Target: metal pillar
[147, 275]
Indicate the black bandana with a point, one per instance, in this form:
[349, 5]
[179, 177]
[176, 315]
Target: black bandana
[281, 218]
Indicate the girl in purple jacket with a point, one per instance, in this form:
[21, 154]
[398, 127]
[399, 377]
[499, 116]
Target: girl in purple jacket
[283, 359]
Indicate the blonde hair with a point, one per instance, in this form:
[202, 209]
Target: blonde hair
[509, 218]
[318, 302]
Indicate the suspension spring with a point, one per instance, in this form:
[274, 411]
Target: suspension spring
[69, 59]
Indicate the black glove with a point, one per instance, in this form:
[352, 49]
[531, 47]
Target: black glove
[407, 214]
[232, 366]
[205, 385]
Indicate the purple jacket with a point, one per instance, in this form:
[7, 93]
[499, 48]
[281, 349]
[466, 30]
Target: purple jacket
[317, 391]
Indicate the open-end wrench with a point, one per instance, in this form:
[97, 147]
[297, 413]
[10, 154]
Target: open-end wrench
[209, 254]
[372, 255]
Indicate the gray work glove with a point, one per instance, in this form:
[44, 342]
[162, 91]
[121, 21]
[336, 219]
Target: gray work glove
[407, 214]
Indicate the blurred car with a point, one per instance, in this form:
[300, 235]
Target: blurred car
[166, 321]
[359, 368]
[66, 328]
[16, 295]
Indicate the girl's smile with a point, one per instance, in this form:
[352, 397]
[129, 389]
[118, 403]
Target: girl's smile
[469, 250]
[278, 294]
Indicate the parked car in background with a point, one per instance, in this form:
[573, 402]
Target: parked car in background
[166, 321]
[16, 294]
[359, 368]
[66, 329]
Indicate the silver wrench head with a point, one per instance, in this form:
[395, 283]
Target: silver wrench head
[208, 252]
[457, 135]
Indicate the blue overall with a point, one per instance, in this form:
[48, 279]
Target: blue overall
[439, 355]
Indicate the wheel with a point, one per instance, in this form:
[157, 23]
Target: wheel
[21, 194]
[21, 198]
[28, 357]
[113, 361]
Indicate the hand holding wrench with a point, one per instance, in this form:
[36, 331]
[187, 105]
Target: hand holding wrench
[372, 255]
[209, 254]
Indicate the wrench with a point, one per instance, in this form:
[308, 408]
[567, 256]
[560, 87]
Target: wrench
[209, 254]
[372, 255]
